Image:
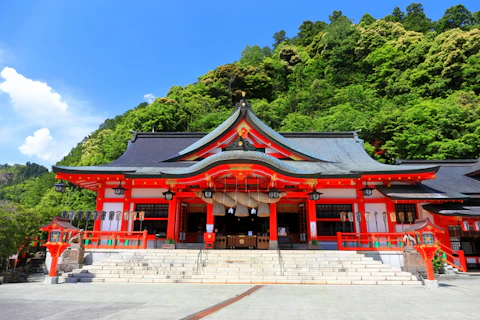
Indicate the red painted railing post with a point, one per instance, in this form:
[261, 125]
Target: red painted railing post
[463, 261]
[144, 242]
[339, 241]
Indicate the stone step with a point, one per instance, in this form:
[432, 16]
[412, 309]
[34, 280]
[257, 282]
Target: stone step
[241, 266]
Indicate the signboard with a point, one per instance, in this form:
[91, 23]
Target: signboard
[313, 229]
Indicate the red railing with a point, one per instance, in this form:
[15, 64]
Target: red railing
[385, 241]
[115, 239]
[454, 258]
[372, 241]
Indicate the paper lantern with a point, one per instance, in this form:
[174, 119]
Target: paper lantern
[476, 225]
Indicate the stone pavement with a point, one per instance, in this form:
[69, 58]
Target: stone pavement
[455, 299]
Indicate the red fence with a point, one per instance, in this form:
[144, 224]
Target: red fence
[389, 241]
[454, 258]
[115, 239]
[372, 241]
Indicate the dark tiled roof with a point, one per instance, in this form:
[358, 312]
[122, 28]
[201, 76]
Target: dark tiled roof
[149, 149]
[453, 209]
[453, 179]
[475, 169]
[451, 176]
[418, 192]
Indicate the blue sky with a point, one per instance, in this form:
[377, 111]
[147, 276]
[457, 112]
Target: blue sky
[66, 66]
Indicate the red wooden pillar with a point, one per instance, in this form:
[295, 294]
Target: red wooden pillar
[126, 207]
[172, 209]
[210, 218]
[361, 208]
[99, 206]
[273, 223]
[390, 208]
[311, 220]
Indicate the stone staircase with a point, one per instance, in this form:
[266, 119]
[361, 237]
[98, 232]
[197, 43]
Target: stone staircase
[241, 266]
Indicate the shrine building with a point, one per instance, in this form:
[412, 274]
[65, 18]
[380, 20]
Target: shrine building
[254, 187]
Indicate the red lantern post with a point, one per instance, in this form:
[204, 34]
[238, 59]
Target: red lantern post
[59, 232]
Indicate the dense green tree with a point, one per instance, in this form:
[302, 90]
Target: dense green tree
[366, 20]
[416, 20]
[397, 15]
[279, 37]
[456, 17]
[253, 56]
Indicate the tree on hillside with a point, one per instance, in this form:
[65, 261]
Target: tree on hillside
[279, 37]
[416, 20]
[456, 17]
[253, 56]
[397, 15]
[366, 20]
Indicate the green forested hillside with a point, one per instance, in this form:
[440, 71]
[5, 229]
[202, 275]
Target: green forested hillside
[411, 85]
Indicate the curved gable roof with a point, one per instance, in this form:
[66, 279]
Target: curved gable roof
[247, 114]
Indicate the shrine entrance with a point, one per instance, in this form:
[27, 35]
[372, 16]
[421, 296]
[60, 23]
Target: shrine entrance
[248, 231]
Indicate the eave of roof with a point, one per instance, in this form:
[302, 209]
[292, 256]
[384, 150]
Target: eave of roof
[453, 209]
[417, 192]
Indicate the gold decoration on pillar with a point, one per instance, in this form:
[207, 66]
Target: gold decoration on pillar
[171, 182]
[311, 182]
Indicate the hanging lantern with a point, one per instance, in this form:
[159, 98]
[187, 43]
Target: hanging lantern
[393, 217]
[476, 225]
[274, 194]
[134, 215]
[359, 216]
[118, 215]
[141, 215]
[126, 215]
[119, 190]
[350, 216]
[401, 217]
[241, 211]
[465, 226]
[208, 193]
[410, 217]
[343, 216]
[103, 214]
[263, 210]
[96, 215]
[367, 216]
[367, 191]
[64, 214]
[60, 187]
[168, 195]
[314, 195]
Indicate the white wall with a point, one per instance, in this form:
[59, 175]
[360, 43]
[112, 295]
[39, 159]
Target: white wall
[378, 225]
[108, 225]
[338, 193]
[148, 193]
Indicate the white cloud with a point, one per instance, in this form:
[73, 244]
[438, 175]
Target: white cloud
[38, 145]
[32, 99]
[34, 104]
[149, 97]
